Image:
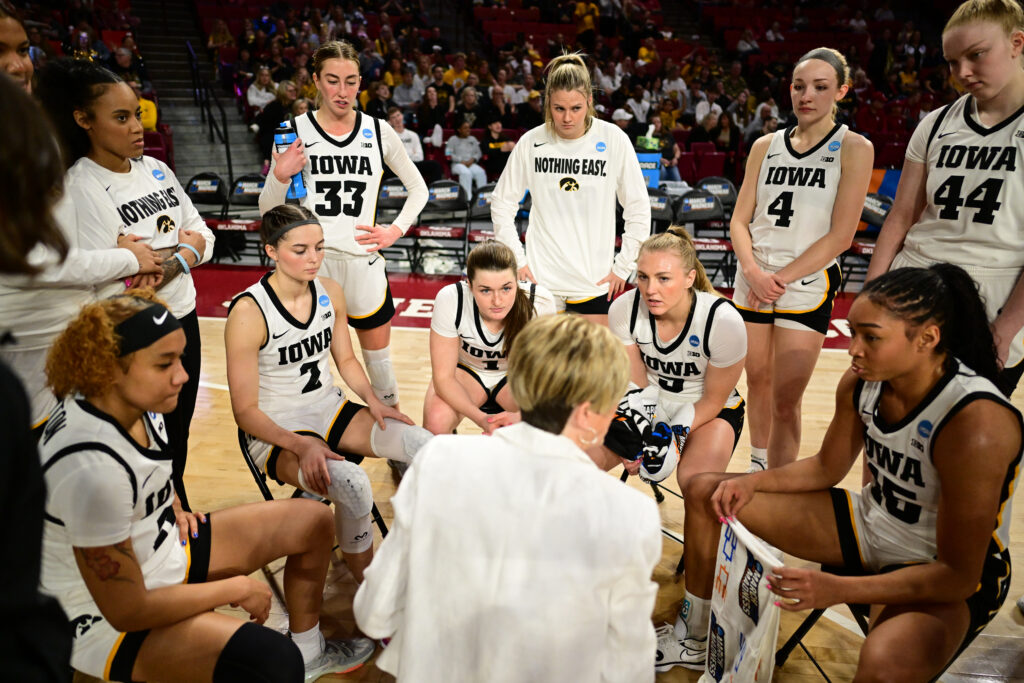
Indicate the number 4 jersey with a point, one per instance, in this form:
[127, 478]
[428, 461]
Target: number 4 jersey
[975, 188]
[294, 361]
[795, 195]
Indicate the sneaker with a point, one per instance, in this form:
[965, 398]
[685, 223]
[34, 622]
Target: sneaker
[398, 470]
[757, 465]
[340, 656]
[1020, 604]
[690, 653]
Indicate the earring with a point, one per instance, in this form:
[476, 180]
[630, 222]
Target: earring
[593, 440]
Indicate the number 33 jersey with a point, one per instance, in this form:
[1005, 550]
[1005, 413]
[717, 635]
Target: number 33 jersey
[103, 488]
[294, 361]
[975, 188]
[795, 195]
[343, 176]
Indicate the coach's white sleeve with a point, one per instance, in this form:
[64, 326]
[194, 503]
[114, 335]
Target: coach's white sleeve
[398, 161]
[274, 191]
[505, 200]
[636, 207]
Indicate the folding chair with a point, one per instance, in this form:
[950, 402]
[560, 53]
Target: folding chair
[209, 194]
[390, 201]
[261, 483]
[447, 201]
[245, 194]
[662, 211]
[722, 188]
[479, 209]
[857, 258]
[699, 209]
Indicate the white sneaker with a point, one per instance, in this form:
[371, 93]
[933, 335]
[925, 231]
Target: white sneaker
[340, 656]
[757, 465]
[690, 653]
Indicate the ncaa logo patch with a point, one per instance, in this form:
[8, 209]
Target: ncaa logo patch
[833, 146]
[158, 174]
[694, 340]
[601, 147]
[367, 134]
[749, 599]
[324, 300]
[716, 649]
[924, 428]
[568, 184]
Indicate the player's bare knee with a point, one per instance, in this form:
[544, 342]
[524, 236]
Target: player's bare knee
[884, 660]
[698, 490]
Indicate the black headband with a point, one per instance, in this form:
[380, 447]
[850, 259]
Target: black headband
[145, 327]
[279, 233]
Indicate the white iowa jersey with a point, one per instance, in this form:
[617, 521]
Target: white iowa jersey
[456, 314]
[975, 188]
[342, 178]
[713, 334]
[903, 500]
[294, 362]
[795, 195]
[91, 464]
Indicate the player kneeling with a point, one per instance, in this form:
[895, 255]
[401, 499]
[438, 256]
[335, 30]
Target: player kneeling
[302, 430]
[138, 577]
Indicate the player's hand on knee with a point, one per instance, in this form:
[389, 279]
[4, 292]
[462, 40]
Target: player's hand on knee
[502, 419]
[149, 260]
[289, 162]
[801, 589]
[525, 274]
[615, 284]
[379, 411]
[732, 495]
[313, 456]
[255, 599]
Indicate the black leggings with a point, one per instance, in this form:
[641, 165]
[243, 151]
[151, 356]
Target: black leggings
[180, 418]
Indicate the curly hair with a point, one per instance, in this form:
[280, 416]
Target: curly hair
[85, 354]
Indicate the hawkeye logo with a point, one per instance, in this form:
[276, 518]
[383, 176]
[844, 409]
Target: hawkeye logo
[164, 224]
[568, 184]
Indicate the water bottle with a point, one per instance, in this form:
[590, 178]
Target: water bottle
[284, 136]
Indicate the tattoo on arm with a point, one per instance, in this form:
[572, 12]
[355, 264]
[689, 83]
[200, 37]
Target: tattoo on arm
[103, 563]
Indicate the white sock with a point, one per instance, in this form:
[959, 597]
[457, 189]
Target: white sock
[381, 374]
[310, 643]
[694, 618]
[760, 455]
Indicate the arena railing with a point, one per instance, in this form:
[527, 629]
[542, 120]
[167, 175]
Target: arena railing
[206, 99]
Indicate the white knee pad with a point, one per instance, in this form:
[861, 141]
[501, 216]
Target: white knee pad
[352, 495]
[381, 374]
[399, 441]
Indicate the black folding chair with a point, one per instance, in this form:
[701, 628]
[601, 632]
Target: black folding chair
[722, 188]
[390, 201]
[662, 211]
[447, 203]
[479, 209]
[856, 259]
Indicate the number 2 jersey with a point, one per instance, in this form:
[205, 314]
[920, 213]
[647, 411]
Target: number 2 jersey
[900, 508]
[343, 176]
[975, 188]
[714, 334]
[294, 362]
[795, 195]
[102, 488]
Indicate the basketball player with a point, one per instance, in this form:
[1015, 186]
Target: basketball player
[472, 327]
[574, 166]
[279, 336]
[686, 340]
[927, 540]
[138, 576]
[341, 153]
[116, 191]
[961, 193]
[796, 212]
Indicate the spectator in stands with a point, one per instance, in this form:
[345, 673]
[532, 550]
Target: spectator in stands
[770, 124]
[457, 73]
[304, 84]
[371, 64]
[708, 105]
[880, 59]
[668, 113]
[485, 79]
[247, 36]
[473, 82]
[445, 92]
[243, 70]
[499, 107]
[147, 109]
[14, 49]
[734, 82]
[707, 131]
[748, 44]
[422, 76]
[858, 24]
[496, 145]
[740, 112]
[607, 80]
[586, 15]
[271, 117]
[378, 106]
[219, 37]
[392, 76]
[774, 34]
[281, 68]
[435, 43]
[637, 104]
[83, 44]
[429, 169]
[263, 90]
[908, 76]
[648, 53]
[667, 146]
[800, 20]
[282, 34]
[675, 87]
[130, 68]
[300, 106]
[469, 110]
[408, 95]
[628, 123]
[530, 113]
[871, 119]
[501, 83]
[464, 151]
[728, 140]
[431, 113]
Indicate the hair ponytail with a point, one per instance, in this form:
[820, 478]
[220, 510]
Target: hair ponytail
[946, 295]
[493, 256]
[679, 242]
[68, 85]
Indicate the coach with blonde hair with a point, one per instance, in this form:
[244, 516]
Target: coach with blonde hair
[512, 557]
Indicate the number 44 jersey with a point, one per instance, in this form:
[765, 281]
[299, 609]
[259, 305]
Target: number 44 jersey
[795, 195]
[975, 188]
[294, 360]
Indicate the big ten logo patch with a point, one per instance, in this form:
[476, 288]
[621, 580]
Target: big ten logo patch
[716, 649]
[749, 584]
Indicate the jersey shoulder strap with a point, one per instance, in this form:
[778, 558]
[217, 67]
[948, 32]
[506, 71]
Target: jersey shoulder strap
[935, 127]
[636, 312]
[458, 305]
[708, 323]
[380, 140]
[533, 294]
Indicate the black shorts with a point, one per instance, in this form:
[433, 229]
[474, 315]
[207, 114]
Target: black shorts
[1009, 378]
[624, 440]
[597, 305]
[809, 305]
[983, 604]
[341, 422]
[127, 650]
[490, 405]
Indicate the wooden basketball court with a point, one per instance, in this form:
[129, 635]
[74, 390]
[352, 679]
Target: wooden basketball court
[217, 477]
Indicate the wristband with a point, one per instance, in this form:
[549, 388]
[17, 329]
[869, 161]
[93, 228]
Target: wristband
[184, 263]
[193, 250]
